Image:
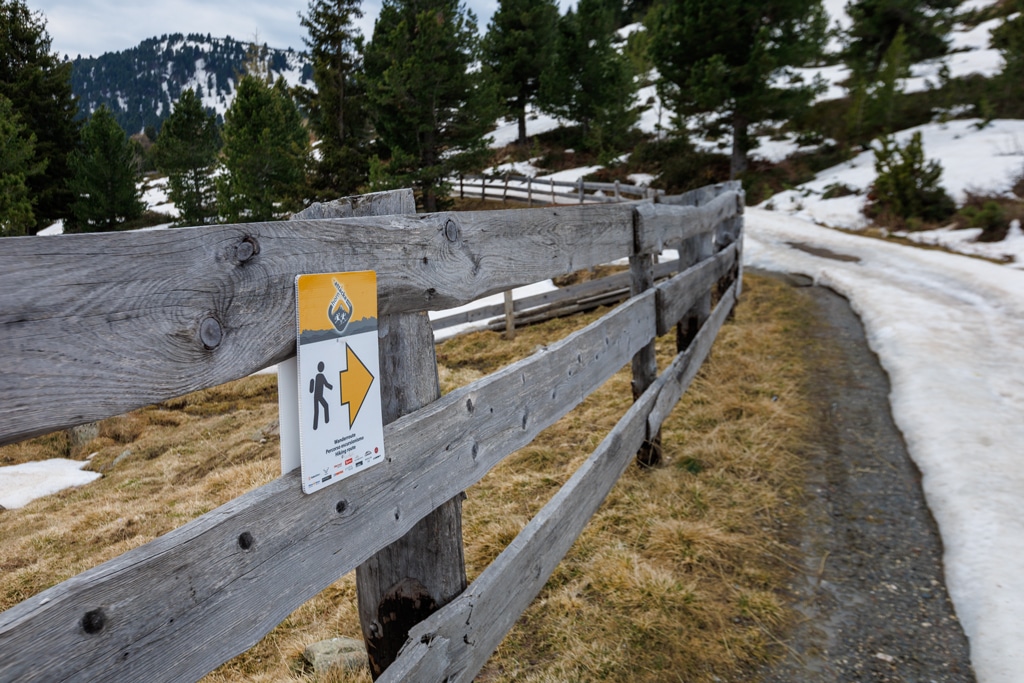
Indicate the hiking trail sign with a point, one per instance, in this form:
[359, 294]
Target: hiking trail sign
[341, 428]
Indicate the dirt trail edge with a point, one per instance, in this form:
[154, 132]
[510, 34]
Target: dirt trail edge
[870, 589]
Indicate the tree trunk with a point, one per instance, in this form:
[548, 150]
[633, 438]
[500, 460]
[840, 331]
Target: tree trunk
[340, 123]
[522, 128]
[740, 144]
[428, 159]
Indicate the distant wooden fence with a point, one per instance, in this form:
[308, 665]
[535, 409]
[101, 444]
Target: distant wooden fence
[95, 325]
[505, 188]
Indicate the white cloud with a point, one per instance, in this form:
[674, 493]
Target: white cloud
[92, 27]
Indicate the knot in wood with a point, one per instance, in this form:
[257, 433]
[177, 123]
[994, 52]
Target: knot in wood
[94, 621]
[245, 540]
[451, 231]
[246, 249]
[211, 334]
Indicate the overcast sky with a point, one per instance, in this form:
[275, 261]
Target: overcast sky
[92, 27]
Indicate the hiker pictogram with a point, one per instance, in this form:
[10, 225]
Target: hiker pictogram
[316, 387]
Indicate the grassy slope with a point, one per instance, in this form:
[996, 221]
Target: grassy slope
[678, 575]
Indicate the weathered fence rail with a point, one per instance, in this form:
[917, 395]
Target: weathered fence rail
[129, 319]
[542, 191]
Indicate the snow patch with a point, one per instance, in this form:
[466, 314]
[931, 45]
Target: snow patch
[21, 484]
[947, 329]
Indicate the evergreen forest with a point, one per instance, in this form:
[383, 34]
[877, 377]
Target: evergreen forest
[243, 131]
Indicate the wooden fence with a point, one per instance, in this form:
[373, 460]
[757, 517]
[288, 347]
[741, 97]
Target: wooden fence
[505, 188]
[96, 325]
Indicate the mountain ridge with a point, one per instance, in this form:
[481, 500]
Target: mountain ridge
[140, 84]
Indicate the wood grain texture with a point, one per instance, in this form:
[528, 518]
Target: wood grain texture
[455, 642]
[130, 319]
[677, 296]
[667, 225]
[179, 606]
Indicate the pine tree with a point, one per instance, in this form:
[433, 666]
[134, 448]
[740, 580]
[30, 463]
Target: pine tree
[722, 59]
[517, 49]
[265, 154]
[1008, 38]
[590, 81]
[187, 153]
[874, 106]
[105, 180]
[875, 24]
[39, 88]
[906, 186]
[337, 109]
[427, 103]
[17, 150]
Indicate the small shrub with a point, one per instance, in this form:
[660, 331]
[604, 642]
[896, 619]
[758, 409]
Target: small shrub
[993, 214]
[678, 165]
[835, 190]
[990, 217]
[907, 186]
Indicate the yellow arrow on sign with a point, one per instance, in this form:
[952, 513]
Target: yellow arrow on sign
[355, 385]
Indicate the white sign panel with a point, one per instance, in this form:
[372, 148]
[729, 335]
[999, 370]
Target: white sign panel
[341, 429]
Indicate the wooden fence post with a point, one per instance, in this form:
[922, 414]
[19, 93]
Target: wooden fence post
[504, 193]
[726, 234]
[645, 363]
[424, 570]
[552, 191]
[510, 319]
[691, 252]
[580, 183]
[462, 194]
[529, 192]
[618, 193]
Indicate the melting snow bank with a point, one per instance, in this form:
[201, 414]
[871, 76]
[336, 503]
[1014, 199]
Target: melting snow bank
[965, 241]
[974, 159]
[21, 484]
[948, 330]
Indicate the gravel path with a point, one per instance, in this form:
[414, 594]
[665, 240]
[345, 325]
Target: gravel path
[871, 589]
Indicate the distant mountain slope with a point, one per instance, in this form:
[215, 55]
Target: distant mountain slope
[140, 84]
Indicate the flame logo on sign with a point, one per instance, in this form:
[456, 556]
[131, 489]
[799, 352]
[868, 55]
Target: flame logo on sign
[339, 312]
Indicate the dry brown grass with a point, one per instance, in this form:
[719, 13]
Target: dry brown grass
[174, 462]
[677, 577]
